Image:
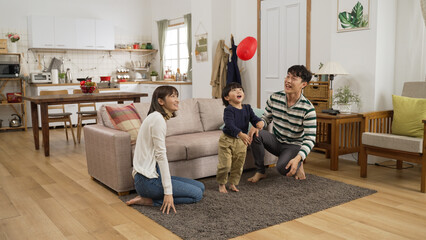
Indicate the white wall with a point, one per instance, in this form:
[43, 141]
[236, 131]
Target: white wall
[244, 24]
[385, 54]
[166, 9]
[410, 63]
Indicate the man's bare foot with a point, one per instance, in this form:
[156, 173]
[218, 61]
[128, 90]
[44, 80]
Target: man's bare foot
[257, 177]
[140, 201]
[222, 188]
[233, 188]
[300, 174]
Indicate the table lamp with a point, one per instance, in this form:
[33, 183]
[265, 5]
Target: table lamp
[332, 69]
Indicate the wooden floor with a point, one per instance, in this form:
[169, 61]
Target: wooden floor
[54, 198]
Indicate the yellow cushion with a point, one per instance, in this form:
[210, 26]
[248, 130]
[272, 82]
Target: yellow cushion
[408, 115]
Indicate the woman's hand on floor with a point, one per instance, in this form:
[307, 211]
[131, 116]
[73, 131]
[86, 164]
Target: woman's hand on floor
[167, 204]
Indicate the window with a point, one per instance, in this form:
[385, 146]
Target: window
[176, 49]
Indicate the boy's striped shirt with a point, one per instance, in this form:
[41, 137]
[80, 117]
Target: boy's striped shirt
[293, 125]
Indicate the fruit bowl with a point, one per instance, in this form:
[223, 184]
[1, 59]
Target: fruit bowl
[87, 89]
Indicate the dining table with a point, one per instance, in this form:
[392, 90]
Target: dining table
[46, 100]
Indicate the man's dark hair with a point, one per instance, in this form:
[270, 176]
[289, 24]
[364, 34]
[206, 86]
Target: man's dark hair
[161, 92]
[300, 71]
[227, 89]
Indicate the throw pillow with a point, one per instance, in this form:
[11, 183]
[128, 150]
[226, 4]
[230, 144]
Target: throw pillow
[125, 118]
[408, 115]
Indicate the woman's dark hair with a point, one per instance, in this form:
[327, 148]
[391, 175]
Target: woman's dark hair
[161, 92]
[300, 71]
[227, 89]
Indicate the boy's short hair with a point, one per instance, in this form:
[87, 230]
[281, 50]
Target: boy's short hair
[161, 92]
[300, 71]
[227, 89]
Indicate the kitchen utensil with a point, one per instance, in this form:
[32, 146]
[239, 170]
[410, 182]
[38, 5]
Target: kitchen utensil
[105, 78]
[16, 121]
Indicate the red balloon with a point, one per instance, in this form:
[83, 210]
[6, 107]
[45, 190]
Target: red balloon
[247, 48]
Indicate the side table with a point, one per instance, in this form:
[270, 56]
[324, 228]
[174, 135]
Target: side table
[338, 134]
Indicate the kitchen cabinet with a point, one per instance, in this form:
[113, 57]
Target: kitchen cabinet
[41, 31]
[64, 33]
[86, 33]
[104, 35]
[47, 32]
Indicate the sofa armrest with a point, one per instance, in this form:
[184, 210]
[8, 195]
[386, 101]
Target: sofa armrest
[109, 156]
[378, 122]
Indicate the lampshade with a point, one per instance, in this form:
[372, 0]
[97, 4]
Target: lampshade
[332, 68]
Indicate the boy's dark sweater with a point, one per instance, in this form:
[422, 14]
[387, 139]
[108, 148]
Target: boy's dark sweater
[237, 120]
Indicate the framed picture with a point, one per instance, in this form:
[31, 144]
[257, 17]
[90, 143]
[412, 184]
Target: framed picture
[353, 15]
[201, 47]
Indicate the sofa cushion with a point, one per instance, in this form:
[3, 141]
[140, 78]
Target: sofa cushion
[196, 144]
[390, 141]
[408, 114]
[211, 113]
[125, 118]
[187, 119]
[141, 108]
[176, 149]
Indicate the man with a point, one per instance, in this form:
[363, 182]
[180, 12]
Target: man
[294, 128]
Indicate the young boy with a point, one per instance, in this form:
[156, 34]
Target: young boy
[234, 140]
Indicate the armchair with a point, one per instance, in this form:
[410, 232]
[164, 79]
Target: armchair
[378, 140]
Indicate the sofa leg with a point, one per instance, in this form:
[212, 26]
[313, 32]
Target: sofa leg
[123, 193]
[398, 164]
[362, 159]
[423, 178]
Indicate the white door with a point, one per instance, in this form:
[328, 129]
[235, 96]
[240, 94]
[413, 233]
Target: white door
[283, 42]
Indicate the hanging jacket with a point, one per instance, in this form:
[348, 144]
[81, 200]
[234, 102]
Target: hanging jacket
[218, 79]
[233, 71]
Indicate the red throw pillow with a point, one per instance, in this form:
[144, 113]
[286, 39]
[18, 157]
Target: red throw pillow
[125, 118]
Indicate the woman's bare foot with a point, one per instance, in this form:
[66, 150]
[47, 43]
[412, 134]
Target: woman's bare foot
[257, 177]
[140, 201]
[300, 174]
[222, 188]
[232, 187]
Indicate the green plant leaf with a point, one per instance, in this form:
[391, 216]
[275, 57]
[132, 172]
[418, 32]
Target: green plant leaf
[355, 19]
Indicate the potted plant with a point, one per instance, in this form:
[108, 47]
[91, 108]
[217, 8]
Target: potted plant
[344, 98]
[154, 75]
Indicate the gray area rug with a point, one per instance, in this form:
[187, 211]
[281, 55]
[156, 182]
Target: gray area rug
[271, 201]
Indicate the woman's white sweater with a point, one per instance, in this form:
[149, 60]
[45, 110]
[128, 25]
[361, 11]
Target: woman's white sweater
[151, 150]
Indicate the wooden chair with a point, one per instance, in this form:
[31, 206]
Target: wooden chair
[378, 140]
[60, 116]
[84, 115]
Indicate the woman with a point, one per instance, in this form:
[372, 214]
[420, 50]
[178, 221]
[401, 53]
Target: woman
[153, 182]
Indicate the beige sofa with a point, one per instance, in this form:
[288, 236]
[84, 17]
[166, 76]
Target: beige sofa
[191, 142]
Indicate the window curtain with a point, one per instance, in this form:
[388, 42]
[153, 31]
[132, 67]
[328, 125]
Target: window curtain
[187, 20]
[423, 3]
[162, 31]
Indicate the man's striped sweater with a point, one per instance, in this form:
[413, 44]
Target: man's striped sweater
[293, 125]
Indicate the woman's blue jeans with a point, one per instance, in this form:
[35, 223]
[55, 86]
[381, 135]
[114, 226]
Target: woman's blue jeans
[185, 190]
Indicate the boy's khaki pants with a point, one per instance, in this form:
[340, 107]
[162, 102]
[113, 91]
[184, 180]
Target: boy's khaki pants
[232, 155]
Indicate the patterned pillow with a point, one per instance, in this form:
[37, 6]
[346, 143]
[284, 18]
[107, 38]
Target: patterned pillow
[125, 118]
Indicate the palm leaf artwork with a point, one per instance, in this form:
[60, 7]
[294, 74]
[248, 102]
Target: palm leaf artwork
[354, 19]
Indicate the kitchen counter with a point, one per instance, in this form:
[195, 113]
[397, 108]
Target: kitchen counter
[138, 82]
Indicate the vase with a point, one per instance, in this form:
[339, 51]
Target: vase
[12, 47]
